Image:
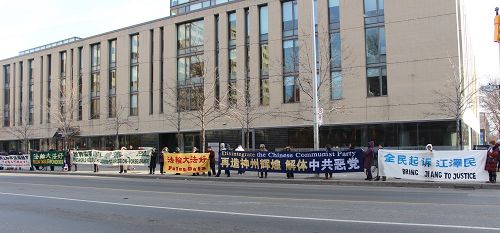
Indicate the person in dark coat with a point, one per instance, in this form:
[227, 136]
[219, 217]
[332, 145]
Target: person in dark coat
[152, 162]
[211, 157]
[492, 160]
[67, 159]
[263, 174]
[328, 174]
[289, 175]
[369, 155]
[162, 159]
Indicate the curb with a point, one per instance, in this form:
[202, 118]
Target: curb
[401, 184]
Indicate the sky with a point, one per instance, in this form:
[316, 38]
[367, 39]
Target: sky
[27, 24]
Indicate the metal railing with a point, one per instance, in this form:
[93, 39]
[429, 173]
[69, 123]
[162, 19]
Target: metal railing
[51, 45]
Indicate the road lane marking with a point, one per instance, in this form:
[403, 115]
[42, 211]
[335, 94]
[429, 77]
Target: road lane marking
[252, 197]
[256, 215]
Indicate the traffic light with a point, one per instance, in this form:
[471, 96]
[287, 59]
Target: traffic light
[497, 27]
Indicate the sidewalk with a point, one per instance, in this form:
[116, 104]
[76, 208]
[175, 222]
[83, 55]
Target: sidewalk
[341, 179]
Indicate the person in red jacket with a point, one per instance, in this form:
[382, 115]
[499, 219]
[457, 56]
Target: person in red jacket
[211, 156]
[492, 160]
[369, 155]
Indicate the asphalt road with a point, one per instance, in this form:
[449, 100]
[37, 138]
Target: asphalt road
[53, 204]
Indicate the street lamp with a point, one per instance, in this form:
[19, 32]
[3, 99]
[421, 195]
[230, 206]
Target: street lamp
[314, 82]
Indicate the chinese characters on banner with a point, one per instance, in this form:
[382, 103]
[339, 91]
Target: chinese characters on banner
[15, 162]
[454, 166]
[112, 158]
[186, 162]
[49, 158]
[296, 162]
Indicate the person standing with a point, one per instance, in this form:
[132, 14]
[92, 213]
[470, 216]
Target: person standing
[177, 151]
[289, 175]
[123, 168]
[222, 147]
[195, 150]
[211, 157]
[369, 154]
[240, 169]
[162, 159]
[262, 148]
[152, 162]
[377, 178]
[492, 160]
[328, 150]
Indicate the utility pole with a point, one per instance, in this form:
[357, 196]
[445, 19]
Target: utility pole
[315, 81]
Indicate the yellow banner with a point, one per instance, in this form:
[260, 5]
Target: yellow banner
[186, 162]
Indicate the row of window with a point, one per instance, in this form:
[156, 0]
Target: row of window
[190, 63]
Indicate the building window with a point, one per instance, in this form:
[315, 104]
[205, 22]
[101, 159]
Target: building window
[161, 68]
[377, 81]
[6, 98]
[264, 54]
[290, 56]
[376, 61]
[20, 107]
[334, 14]
[217, 70]
[375, 45]
[31, 69]
[290, 18]
[112, 79]
[190, 37]
[190, 66]
[112, 54]
[134, 74]
[291, 90]
[80, 83]
[49, 86]
[62, 82]
[232, 28]
[95, 81]
[336, 85]
[374, 11]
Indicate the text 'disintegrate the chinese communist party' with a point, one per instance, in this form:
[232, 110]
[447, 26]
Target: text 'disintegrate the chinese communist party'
[296, 162]
[454, 166]
[186, 162]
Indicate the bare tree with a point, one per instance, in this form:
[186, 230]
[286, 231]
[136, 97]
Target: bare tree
[456, 96]
[490, 102]
[203, 108]
[63, 116]
[330, 58]
[118, 122]
[173, 118]
[23, 133]
[246, 111]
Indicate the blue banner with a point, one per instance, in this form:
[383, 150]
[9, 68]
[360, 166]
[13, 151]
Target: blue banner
[295, 162]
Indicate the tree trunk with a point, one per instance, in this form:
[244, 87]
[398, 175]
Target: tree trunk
[117, 141]
[459, 134]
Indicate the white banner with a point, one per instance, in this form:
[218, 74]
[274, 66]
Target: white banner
[450, 166]
[15, 162]
[112, 158]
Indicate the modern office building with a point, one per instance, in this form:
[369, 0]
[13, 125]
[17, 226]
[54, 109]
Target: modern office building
[383, 69]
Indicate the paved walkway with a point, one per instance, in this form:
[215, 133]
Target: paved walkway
[343, 179]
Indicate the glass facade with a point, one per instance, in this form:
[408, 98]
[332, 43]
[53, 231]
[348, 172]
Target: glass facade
[134, 75]
[190, 65]
[335, 50]
[31, 83]
[264, 54]
[376, 62]
[95, 78]
[21, 89]
[6, 94]
[112, 79]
